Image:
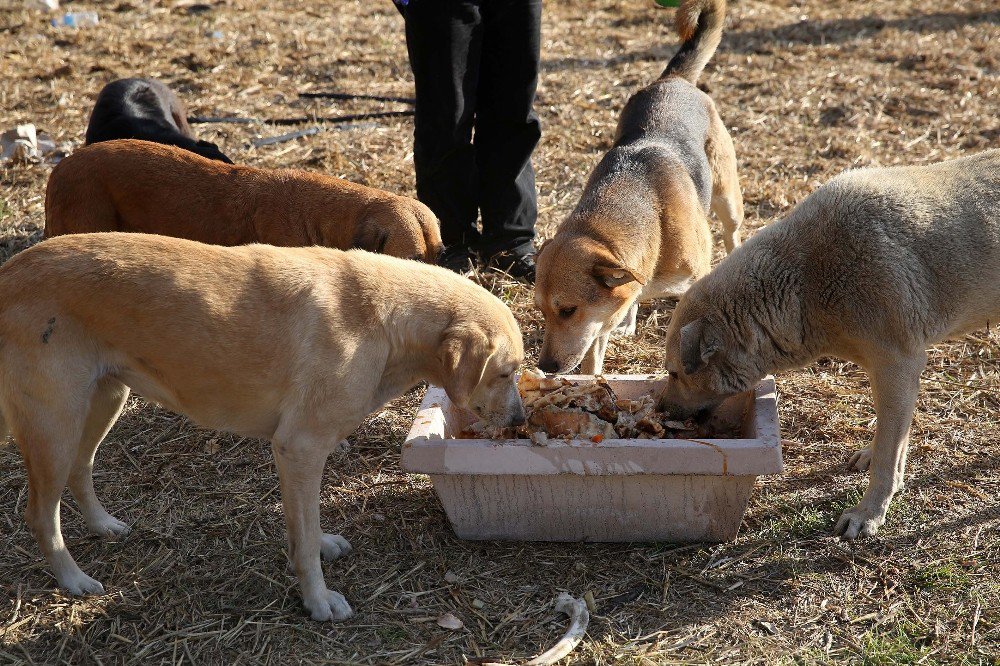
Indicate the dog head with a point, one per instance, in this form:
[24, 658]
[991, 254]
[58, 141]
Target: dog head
[583, 291]
[706, 361]
[479, 357]
[405, 228]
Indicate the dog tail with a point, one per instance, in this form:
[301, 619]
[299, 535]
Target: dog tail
[699, 24]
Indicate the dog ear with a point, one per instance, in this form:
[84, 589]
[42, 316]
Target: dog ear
[698, 346]
[464, 355]
[370, 236]
[612, 276]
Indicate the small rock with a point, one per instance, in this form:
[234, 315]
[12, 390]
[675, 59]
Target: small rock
[767, 626]
[449, 621]
[451, 577]
[478, 604]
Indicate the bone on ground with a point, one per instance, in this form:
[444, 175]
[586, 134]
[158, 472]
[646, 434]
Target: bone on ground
[579, 618]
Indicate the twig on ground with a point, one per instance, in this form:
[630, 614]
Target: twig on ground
[297, 120]
[336, 95]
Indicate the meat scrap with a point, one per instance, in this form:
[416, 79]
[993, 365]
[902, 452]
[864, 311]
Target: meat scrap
[558, 408]
[570, 423]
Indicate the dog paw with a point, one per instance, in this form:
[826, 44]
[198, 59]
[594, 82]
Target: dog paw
[80, 584]
[108, 526]
[857, 523]
[861, 460]
[624, 330]
[329, 606]
[333, 547]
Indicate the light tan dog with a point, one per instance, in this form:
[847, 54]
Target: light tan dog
[641, 228]
[291, 345]
[151, 188]
[873, 267]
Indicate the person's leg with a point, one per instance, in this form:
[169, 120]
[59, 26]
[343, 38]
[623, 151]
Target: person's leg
[507, 128]
[444, 41]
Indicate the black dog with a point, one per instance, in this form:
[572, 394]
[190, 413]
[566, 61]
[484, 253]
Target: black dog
[145, 109]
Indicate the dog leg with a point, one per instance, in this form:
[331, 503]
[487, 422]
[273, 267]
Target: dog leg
[895, 385]
[593, 360]
[727, 199]
[333, 547]
[730, 214]
[300, 473]
[861, 460]
[48, 466]
[627, 325]
[105, 406]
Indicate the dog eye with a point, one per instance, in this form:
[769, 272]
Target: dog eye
[566, 313]
[672, 374]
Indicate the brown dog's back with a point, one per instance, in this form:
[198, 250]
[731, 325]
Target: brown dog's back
[138, 186]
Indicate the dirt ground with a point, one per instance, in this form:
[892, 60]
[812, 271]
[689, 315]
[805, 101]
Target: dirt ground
[808, 89]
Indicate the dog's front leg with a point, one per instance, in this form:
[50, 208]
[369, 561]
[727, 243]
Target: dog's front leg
[627, 325]
[593, 360]
[300, 472]
[895, 384]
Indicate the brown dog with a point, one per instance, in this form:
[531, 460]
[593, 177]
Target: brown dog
[294, 345]
[151, 188]
[641, 228]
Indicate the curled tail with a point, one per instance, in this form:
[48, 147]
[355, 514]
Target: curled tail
[699, 24]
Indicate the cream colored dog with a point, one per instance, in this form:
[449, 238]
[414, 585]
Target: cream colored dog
[641, 228]
[874, 267]
[294, 345]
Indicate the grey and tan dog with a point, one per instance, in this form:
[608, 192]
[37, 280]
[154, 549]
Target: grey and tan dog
[641, 228]
[294, 345]
[873, 267]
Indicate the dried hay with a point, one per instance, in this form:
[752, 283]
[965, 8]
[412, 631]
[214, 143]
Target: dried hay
[808, 89]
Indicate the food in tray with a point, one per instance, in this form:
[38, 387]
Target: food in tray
[559, 408]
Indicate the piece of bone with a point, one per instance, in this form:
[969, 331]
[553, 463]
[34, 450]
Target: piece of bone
[625, 425]
[530, 381]
[539, 438]
[533, 380]
[538, 399]
[579, 618]
[597, 399]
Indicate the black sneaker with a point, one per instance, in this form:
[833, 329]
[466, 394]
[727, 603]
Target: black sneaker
[518, 266]
[457, 258]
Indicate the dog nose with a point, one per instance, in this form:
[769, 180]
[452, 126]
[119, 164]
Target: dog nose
[548, 365]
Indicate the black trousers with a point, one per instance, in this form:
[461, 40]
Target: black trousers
[475, 67]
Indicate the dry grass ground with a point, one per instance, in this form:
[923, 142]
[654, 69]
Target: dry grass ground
[808, 89]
